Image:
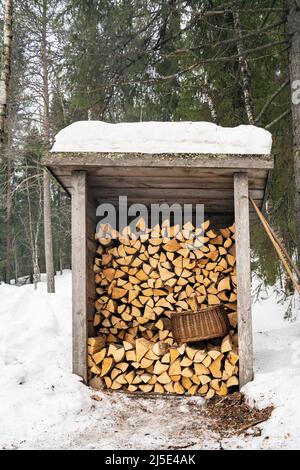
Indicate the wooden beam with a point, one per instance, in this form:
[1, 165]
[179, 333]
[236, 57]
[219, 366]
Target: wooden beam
[150, 178]
[145, 173]
[241, 208]
[91, 247]
[79, 273]
[202, 181]
[160, 160]
[166, 193]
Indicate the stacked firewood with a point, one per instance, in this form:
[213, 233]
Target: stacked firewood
[140, 281]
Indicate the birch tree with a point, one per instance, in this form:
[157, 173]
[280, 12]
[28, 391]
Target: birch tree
[5, 131]
[5, 73]
[245, 72]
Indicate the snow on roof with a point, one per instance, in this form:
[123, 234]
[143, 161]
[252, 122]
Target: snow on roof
[162, 137]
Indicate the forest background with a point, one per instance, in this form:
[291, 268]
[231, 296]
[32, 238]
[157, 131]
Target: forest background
[230, 63]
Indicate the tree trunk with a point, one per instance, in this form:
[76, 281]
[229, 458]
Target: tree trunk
[61, 262]
[5, 73]
[48, 234]
[89, 111]
[33, 239]
[16, 262]
[210, 101]
[46, 179]
[213, 111]
[294, 69]
[8, 261]
[245, 72]
[61, 232]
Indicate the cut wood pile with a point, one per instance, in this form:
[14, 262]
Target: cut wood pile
[139, 282]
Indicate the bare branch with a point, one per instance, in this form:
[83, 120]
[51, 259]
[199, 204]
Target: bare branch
[187, 69]
[283, 115]
[234, 40]
[271, 99]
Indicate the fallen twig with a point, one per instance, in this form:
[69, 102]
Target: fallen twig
[221, 401]
[182, 447]
[250, 425]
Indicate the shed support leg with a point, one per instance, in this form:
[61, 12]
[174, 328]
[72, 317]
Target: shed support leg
[79, 274]
[241, 209]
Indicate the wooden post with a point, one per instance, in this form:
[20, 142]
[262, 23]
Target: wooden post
[79, 273]
[241, 209]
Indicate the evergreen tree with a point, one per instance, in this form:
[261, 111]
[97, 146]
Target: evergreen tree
[140, 60]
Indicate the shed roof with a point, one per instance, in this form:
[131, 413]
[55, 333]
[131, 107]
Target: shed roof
[162, 137]
[164, 175]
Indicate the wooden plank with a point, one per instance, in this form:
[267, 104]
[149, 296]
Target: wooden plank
[91, 309]
[164, 177]
[91, 228]
[191, 160]
[91, 289]
[167, 182]
[171, 182]
[91, 249]
[79, 274]
[210, 205]
[165, 193]
[90, 328]
[92, 245]
[220, 220]
[90, 206]
[156, 172]
[241, 208]
[60, 181]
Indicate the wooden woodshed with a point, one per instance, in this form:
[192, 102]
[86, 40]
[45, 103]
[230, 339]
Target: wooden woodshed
[220, 179]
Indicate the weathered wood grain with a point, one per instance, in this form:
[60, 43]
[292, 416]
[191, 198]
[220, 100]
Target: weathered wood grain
[124, 177]
[221, 182]
[158, 160]
[210, 205]
[157, 172]
[165, 193]
[141, 175]
[79, 277]
[241, 208]
[202, 181]
[90, 249]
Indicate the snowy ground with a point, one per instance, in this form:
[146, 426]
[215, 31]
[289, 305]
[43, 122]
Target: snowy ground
[43, 406]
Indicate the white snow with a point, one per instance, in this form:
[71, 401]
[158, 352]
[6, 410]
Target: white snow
[44, 406]
[162, 137]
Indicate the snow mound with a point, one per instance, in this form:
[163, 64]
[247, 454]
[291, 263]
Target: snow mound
[162, 137]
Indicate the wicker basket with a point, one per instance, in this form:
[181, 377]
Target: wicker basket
[208, 323]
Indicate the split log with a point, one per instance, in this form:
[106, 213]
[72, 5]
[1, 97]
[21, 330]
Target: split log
[138, 283]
